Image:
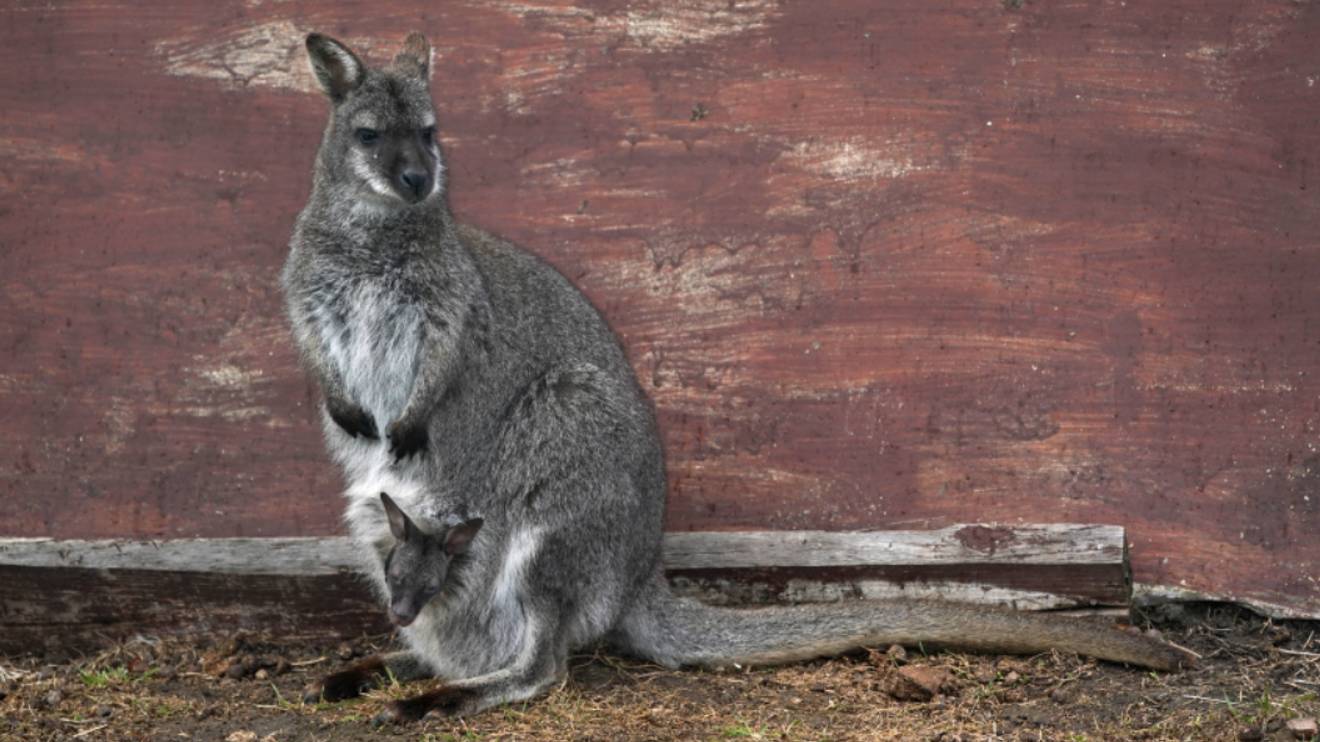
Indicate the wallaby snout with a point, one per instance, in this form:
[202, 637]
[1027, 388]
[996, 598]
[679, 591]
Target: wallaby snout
[402, 613]
[415, 183]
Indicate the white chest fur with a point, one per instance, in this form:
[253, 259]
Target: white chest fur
[374, 346]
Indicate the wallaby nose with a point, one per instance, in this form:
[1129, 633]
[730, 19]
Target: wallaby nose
[415, 181]
[400, 616]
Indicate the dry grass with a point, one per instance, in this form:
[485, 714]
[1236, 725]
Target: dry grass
[1254, 676]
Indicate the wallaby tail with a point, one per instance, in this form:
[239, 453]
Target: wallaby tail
[677, 631]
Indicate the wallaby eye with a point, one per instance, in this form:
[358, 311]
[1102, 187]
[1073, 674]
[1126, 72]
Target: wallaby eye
[367, 137]
[428, 134]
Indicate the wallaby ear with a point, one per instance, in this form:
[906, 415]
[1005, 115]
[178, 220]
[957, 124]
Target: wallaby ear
[415, 56]
[460, 536]
[401, 526]
[337, 69]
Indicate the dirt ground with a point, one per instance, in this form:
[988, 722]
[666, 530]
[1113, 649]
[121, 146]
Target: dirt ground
[1255, 677]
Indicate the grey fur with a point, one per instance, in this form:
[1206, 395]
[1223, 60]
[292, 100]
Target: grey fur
[458, 346]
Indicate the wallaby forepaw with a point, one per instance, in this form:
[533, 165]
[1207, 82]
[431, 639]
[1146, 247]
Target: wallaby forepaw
[353, 419]
[340, 686]
[406, 439]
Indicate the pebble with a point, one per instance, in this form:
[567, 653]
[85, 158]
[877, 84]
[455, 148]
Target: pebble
[262, 674]
[918, 683]
[53, 698]
[344, 651]
[1303, 728]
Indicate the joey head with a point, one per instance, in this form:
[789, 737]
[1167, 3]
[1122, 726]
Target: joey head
[417, 568]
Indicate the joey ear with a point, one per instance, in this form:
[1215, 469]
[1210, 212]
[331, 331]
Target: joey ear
[460, 536]
[337, 69]
[401, 526]
[415, 56]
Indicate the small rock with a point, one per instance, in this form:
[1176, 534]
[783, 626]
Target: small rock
[918, 683]
[104, 711]
[262, 674]
[345, 652]
[242, 736]
[1303, 728]
[1012, 677]
[234, 671]
[53, 698]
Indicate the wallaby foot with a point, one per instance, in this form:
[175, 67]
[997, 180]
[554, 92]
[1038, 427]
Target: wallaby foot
[464, 697]
[447, 700]
[363, 676]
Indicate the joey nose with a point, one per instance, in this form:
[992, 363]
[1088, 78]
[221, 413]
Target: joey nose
[401, 615]
[414, 183]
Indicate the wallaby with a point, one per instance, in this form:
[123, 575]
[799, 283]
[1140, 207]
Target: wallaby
[467, 378]
[416, 568]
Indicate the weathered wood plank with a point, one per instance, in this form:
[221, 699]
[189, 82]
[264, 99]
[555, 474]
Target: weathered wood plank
[1057, 544]
[85, 591]
[70, 609]
[956, 545]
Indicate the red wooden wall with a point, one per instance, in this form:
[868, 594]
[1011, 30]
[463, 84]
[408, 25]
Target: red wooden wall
[880, 264]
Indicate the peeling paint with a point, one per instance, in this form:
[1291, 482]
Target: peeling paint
[269, 55]
[853, 159]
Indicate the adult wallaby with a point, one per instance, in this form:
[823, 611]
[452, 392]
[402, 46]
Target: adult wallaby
[467, 378]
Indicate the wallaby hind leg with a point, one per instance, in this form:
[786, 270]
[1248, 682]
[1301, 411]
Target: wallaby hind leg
[542, 664]
[364, 675]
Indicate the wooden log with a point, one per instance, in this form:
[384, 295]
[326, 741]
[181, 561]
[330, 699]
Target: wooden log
[80, 593]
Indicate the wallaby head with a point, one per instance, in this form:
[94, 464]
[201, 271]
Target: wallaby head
[379, 146]
[417, 566]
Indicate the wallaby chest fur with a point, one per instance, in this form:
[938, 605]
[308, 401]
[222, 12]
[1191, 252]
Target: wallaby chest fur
[471, 382]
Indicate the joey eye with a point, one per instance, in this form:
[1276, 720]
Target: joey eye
[367, 137]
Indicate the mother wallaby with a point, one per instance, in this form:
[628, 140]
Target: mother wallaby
[468, 379]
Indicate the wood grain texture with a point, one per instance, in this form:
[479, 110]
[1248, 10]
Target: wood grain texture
[964, 544]
[82, 594]
[72, 609]
[881, 265]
